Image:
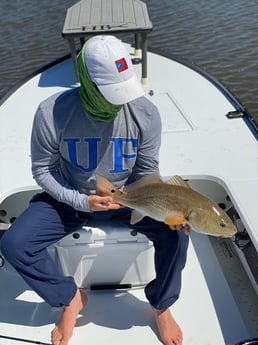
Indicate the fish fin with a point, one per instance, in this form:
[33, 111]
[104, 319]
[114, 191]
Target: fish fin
[144, 181]
[177, 181]
[104, 187]
[136, 217]
[175, 218]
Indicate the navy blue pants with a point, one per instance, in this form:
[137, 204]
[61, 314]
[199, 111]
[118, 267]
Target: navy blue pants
[46, 221]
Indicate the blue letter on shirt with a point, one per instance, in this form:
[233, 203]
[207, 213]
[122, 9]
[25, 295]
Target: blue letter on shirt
[119, 155]
[92, 152]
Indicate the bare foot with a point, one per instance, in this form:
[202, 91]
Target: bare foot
[169, 330]
[64, 329]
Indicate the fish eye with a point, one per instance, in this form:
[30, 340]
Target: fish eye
[112, 191]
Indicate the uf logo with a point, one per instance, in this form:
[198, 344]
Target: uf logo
[119, 156]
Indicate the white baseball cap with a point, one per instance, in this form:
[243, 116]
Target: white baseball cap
[110, 68]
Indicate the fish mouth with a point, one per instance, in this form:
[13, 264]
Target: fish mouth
[224, 235]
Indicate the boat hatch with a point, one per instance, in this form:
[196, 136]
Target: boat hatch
[174, 118]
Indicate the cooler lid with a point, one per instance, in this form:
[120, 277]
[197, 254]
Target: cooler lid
[107, 232]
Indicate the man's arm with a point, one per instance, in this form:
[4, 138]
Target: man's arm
[45, 163]
[147, 161]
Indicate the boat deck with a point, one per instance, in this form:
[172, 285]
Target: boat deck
[218, 304]
[198, 141]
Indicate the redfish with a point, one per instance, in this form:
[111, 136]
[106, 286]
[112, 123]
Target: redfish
[173, 202]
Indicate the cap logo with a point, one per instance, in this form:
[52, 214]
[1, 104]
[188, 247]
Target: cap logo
[121, 65]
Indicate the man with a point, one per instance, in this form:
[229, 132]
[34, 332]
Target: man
[107, 127]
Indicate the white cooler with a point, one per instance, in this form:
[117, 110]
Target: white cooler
[104, 256]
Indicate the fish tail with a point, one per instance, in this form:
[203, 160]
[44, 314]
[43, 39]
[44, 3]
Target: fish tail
[105, 188]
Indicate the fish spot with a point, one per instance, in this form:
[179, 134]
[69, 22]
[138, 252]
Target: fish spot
[222, 224]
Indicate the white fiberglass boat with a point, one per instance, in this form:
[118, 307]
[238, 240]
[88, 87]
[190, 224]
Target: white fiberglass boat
[208, 138]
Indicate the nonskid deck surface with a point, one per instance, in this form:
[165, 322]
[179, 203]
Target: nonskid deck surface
[216, 306]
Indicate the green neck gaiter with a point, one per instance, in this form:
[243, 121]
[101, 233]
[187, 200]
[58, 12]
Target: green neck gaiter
[92, 100]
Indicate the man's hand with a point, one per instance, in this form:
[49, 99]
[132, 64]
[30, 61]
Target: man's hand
[102, 203]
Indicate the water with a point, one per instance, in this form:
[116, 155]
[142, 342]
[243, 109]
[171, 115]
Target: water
[218, 35]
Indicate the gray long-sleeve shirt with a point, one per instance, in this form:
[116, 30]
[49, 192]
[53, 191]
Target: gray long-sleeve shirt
[68, 147]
